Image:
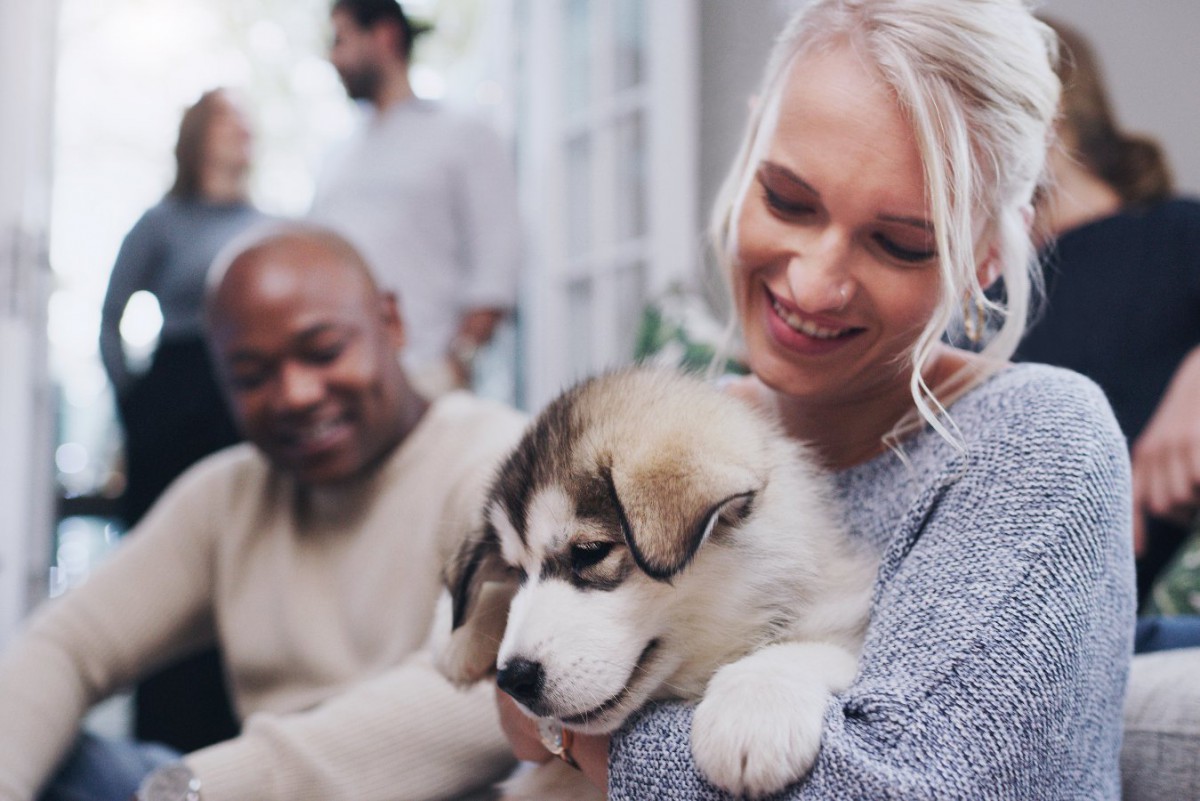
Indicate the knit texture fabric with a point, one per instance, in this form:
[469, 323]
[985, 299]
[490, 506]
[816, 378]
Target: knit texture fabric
[997, 655]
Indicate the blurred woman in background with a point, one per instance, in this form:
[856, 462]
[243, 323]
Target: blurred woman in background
[173, 413]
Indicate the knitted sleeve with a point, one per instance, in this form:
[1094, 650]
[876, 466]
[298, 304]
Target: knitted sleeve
[999, 643]
[133, 270]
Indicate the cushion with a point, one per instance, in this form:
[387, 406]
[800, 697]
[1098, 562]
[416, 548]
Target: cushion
[1160, 758]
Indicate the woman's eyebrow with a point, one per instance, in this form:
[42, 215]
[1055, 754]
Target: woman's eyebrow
[916, 222]
[782, 173]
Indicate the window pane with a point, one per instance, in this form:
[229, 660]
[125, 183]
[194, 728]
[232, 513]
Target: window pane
[580, 323]
[629, 20]
[631, 307]
[577, 50]
[579, 195]
[630, 214]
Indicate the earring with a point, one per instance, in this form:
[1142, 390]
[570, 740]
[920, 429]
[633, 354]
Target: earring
[974, 315]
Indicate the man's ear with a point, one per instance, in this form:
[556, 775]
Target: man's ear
[393, 323]
[387, 38]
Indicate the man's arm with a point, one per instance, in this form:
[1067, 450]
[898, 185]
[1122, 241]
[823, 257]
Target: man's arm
[147, 604]
[404, 734]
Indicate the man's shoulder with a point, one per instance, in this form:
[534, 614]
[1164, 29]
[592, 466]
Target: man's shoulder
[451, 124]
[239, 467]
[465, 417]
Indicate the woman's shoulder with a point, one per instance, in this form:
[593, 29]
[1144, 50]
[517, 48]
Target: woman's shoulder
[1041, 416]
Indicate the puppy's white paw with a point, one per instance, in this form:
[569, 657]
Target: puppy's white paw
[758, 728]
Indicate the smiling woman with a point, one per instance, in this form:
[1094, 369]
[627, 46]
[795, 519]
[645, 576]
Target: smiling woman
[884, 181]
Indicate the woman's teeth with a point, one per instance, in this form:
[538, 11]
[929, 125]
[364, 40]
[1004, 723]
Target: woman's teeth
[805, 327]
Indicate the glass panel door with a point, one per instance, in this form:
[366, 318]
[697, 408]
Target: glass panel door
[608, 119]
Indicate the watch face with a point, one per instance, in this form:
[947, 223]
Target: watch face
[175, 782]
[551, 732]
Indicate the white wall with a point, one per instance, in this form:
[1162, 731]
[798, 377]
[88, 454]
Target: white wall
[1151, 61]
[1148, 49]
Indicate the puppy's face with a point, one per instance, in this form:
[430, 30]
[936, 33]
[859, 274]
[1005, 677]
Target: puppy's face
[582, 642]
[599, 524]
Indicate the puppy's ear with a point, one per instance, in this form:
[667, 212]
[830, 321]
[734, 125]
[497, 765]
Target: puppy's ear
[481, 587]
[667, 511]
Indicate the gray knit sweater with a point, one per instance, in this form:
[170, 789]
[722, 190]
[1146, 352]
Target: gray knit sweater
[1001, 631]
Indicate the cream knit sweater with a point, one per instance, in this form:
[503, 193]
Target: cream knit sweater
[324, 603]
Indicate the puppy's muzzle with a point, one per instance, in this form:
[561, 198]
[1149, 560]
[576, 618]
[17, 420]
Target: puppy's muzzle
[523, 679]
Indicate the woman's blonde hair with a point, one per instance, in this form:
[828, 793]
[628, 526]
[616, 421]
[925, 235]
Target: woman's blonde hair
[976, 80]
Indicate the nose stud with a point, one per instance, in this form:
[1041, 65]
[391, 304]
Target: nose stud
[844, 294]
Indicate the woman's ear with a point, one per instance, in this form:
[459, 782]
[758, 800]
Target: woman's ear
[988, 269]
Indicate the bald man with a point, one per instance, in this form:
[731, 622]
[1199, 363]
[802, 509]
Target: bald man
[311, 555]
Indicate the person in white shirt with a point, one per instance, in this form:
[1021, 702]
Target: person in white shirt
[427, 194]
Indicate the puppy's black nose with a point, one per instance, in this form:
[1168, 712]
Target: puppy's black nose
[522, 679]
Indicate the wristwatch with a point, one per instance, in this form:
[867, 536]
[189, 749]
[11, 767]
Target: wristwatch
[557, 740]
[173, 782]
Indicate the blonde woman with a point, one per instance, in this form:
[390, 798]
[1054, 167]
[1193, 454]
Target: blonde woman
[885, 181]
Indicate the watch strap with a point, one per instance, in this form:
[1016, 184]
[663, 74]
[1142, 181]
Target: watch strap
[173, 782]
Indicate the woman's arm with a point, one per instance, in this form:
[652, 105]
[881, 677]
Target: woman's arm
[131, 272]
[1003, 618]
[589, 751]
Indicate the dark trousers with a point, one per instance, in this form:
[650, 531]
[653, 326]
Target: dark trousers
[173, 416]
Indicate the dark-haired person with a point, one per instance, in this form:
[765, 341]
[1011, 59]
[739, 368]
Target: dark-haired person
[173, 414]
[312, 554]
[426, 193]
[1122, 255]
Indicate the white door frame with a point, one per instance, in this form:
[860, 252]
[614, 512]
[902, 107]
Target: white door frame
[666, 101]
[27, 47]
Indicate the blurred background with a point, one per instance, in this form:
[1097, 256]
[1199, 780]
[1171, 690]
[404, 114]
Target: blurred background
[621, 116]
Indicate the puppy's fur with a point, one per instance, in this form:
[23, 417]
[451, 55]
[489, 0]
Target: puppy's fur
[659, 539]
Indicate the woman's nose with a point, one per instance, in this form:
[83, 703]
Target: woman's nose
[819, 275]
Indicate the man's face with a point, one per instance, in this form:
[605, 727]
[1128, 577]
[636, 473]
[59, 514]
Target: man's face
[353, 55]
[308, 351]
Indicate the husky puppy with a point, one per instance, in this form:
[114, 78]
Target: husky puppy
[657, 538]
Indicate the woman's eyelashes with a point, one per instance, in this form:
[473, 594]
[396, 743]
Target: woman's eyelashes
[911, 255]
[786, 207]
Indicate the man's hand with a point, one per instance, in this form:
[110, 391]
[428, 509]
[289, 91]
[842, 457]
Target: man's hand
[1166, 457]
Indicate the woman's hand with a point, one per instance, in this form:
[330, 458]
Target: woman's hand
[1166, 457]
[521, 730]
[590, 751]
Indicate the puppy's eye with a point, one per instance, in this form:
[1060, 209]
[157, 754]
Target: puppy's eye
[586, 554]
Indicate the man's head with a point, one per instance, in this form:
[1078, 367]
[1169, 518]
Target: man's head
[370, 38]
[307, 348]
